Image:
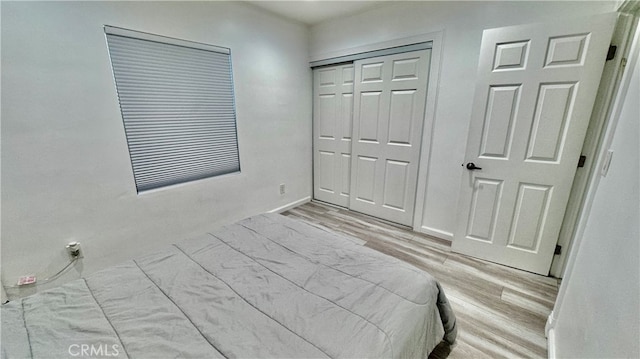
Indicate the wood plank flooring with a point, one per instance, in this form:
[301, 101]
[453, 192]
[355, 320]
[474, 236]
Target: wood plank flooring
[501, 312]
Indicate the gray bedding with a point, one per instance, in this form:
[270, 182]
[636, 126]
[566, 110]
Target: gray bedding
[267, 286]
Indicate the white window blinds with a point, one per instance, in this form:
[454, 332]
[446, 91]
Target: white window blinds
[177, 104]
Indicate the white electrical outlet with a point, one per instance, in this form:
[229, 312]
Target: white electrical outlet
[282, 188]
[73, 248]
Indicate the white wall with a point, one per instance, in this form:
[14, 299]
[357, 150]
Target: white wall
[598, 311]
[65, 166]
[463, 23]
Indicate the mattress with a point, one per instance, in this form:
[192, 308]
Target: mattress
[266, 287]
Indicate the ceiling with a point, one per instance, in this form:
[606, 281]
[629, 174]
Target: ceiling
[311, 12]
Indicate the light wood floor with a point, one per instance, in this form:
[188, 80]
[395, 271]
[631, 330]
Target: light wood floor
[501, 312]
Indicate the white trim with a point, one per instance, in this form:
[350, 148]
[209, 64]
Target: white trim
[551, 322]
[427, 134]
[607, 88]
[370, 54]
[3, 294]
[551, 344]
[290, 205]
[373, 47]
[328, 204]
[629, 6]
[550, 333]
[436, 233]
[595, 176]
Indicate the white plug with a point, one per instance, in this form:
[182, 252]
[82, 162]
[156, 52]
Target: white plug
[73, 248]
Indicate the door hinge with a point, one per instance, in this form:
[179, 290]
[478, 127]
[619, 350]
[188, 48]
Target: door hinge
[611, 54]
[558, 250]
[581, 161]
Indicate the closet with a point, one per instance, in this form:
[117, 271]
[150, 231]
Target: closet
[367, 130]
[332, 114]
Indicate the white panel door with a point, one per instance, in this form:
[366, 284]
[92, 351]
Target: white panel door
[388, 116]
[535, 90]
[332, 115]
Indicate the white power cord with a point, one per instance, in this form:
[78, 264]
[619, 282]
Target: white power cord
[48, 279]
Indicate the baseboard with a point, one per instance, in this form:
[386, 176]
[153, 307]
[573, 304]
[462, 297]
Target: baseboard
[550, 333]
[293, 204]
[550, 323]
[551, 344]
[436, 233]
[3, 294]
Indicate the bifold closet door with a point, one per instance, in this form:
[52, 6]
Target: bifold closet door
[332, 115]
[389, 105]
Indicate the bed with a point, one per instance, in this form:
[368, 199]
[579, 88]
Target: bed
[266, 287]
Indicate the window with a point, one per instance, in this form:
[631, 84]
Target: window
[177, 103]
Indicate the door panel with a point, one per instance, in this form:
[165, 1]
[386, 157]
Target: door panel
[388, 115]
[511, 55]
[532, 208]
[345, 182]
[327, 116]
[371, 72]
[400, 115]
[370, 103]
[326, 171]
[365, 179]
[332, 121]
[550, 122]
[498, 122]
[567, 50]
[484, 209]
[405, 69]
[346, 114]
[535, 90]
[395, 184]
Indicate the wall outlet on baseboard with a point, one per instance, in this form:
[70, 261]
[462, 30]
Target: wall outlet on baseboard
[282, 189]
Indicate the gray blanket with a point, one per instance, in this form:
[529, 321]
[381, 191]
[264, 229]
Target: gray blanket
[265, 287]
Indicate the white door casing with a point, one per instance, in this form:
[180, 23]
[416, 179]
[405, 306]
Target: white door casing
[332, 118]
[388, 116]
[535, 90]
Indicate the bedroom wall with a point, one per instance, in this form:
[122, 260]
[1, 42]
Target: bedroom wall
[462, 23]
[598, 310]
[66, 173]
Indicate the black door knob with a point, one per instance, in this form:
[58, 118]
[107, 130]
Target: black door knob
[472, 166]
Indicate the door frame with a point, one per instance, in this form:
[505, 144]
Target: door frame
[430, 107]
[593, 142]
[631, 52]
